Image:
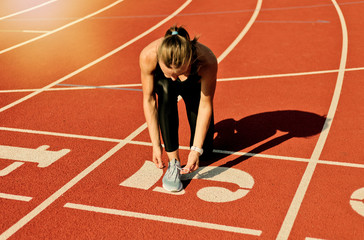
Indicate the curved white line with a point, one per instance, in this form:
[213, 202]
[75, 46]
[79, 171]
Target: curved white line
[60, 28]
[97, 60]
[307, 176]
[26, 10]
[242, 33]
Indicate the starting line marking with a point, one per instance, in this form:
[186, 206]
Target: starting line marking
[40, 155]
[164, 219]
[15, 197]
[103, 139]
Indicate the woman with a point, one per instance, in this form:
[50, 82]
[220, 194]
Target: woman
[171, 66]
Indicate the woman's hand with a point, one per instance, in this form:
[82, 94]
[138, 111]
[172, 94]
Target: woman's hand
[157, 156]
[192, 163]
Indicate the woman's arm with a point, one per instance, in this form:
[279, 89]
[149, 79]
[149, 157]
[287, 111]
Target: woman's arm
[208, 85]
[208, 73]
[147, 66]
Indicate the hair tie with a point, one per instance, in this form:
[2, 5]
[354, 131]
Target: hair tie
[174, 33]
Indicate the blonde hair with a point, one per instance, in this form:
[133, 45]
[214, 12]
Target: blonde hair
[176, 49]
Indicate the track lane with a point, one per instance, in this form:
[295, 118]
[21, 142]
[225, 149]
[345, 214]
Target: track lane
[346, 135]
[294, 208]
[343, 145]
[202, 20]
[355, 24]
[331, 61]
[274, 48]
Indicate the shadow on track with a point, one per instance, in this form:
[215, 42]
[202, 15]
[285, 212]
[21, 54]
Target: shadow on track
[232, 135]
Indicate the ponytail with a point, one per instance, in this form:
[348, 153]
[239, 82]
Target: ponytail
[177, 49]
[180, 31]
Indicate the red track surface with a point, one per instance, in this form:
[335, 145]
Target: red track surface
[289, 135]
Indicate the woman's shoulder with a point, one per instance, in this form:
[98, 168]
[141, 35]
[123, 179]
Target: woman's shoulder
[205, 56]
[148, 56]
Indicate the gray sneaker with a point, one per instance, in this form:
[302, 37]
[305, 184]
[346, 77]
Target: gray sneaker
[172, 177]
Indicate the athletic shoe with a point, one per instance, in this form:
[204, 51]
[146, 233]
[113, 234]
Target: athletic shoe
[172, 177]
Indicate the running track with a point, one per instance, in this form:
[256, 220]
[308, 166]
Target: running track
[74, 148]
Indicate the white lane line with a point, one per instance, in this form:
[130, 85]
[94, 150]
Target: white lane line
[32, 214]
[288, 74]
[111, 88]
[160, 218]
[15, 197]
[73, 88]
[242, 33]
[307, 176]
[25, 31]
[219, 80]
[311, 238]
[60, 28]
[141, 143]
[5, 171]
[284, 158]
[34, 31]
[291, 21]
[97, 60]
[27, 10]
[341, 164]
[67, 135]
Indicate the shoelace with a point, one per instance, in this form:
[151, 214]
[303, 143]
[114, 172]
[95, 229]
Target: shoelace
[182, 169]
[172, 171]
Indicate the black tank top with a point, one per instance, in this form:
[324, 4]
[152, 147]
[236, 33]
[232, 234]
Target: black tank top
[193, 77]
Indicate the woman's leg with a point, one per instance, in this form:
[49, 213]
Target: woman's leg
[168, 115]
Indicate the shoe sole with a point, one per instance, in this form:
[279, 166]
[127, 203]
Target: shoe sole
[173, 190]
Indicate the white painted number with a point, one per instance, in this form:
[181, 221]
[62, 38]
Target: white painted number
[145, 177]
[40, 155]
[148, 175]
[357, 201]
